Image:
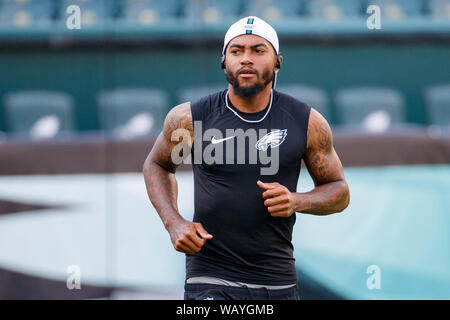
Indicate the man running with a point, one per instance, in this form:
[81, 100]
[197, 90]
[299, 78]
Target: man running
[238, 245]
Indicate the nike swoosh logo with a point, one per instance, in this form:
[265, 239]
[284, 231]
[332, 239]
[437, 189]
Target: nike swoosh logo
[215, 141]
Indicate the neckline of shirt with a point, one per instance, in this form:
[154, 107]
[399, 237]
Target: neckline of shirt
[247, 114]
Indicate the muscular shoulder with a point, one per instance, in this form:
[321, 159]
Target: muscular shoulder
[177, 127]
[179, 117]
[319, 135]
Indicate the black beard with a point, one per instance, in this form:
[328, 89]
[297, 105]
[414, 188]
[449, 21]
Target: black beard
[251, 91]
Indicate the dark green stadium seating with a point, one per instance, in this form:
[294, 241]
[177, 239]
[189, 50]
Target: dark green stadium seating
[195, 93]
[38, 114]
[334, 9]
[439, 9]
[19, 14]
[131, 112]
[398, 9]
[149, 12]
[437, 102]
[211, 11]
[312, 96]
[94, 13]
[273, 11]
[371, 108]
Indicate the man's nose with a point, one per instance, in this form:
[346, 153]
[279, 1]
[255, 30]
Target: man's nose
[246, 58]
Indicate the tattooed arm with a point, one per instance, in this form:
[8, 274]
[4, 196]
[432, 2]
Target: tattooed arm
[159, 174]
[331, 193]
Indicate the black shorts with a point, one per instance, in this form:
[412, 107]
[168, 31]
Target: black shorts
[199, 291]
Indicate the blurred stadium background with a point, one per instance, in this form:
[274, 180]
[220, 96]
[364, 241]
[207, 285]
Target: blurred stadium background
[80, 109]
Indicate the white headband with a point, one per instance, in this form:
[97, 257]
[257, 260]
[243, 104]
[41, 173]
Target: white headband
[252, 25]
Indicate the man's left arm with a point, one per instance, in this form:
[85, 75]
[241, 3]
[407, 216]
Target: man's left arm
[331, 193]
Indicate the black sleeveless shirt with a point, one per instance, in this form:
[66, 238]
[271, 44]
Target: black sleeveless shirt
[248, 244]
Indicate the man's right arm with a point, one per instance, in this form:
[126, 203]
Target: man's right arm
[159, 174]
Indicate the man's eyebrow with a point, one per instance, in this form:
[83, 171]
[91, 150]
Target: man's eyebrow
[236, 46]
[259, 45]
[254, 46]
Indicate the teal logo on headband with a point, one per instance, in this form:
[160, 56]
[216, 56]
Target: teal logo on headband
[249, 25]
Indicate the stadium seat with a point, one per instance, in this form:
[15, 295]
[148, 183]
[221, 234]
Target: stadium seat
[437, 102]
[211, 11]
[196, 93]
[131, 112]
[38, 114]
[333, 9]
[372, 109]
[149, 12]
[273, 11]
[312, 96]
[439, 8]
[20, 13]
[398, 9]
[94, 13]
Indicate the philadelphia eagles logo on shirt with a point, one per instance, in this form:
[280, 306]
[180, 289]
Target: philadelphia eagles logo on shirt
[272, 139]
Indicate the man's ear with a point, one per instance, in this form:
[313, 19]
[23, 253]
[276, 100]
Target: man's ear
[279, 62]
[222, 61]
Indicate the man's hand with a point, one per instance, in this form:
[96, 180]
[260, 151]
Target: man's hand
[188, 237]
[279, 200]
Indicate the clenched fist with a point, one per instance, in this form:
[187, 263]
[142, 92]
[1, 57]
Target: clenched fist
[279, 200]
[188, 237]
